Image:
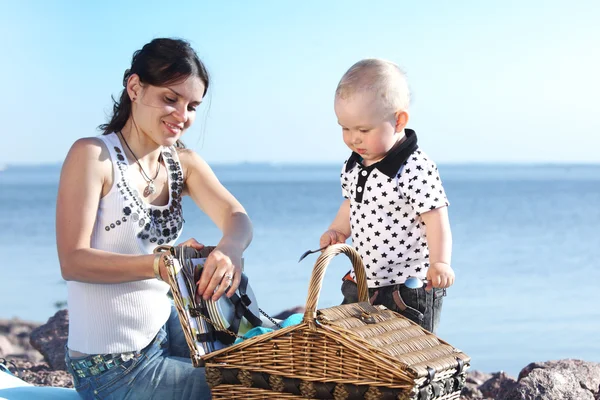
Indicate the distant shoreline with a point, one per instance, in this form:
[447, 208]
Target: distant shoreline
[278, 165]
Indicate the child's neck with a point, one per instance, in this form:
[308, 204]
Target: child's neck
[401, 139]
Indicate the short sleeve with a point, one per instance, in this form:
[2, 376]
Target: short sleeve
[421, 185]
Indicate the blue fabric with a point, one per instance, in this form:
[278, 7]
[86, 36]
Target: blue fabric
[38, 392]
[292, 320]
[8, 380]
[13, 388]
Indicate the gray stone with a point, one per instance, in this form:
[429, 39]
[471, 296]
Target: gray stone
[477, 377]
[50, 339]
[6, 347]
[557, 380]
[497, 386]
[40, 374]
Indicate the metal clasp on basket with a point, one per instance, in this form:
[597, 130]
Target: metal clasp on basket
[367, 318]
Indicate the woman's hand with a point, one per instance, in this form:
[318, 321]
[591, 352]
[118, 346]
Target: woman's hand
[193, 243]
[190, 243]
[222, 271]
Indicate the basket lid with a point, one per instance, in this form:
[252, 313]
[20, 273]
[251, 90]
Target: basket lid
[387, 332]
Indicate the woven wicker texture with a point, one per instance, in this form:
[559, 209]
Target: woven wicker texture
[353, 351]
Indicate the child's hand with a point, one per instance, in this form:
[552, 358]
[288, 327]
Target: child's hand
[439, 275]
[332, 237]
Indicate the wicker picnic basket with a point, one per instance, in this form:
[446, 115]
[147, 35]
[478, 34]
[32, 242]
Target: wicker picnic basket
[352, 351]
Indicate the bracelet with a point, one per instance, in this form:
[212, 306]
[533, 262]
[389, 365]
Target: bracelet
[157, 258]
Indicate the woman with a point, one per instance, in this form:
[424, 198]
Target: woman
[119, 197]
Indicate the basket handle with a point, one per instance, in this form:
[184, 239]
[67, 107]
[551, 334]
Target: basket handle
[316, 280]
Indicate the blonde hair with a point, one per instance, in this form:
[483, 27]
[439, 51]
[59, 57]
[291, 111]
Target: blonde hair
[382, 78]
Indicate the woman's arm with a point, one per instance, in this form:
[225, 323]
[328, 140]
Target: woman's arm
[228, 215]
[86, 172]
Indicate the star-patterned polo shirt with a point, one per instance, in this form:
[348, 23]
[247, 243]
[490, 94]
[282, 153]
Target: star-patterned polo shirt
[386, 202]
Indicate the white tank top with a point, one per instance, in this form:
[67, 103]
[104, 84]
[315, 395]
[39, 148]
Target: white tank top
[123, 317]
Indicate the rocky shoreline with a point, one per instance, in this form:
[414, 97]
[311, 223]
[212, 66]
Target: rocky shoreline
[35, 352]
[23, 345]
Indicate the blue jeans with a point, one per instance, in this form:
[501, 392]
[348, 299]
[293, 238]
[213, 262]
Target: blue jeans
[162, 370]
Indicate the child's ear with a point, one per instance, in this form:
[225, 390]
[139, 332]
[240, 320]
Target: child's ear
[401, 120]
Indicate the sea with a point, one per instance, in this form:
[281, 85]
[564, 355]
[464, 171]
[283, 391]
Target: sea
[526, 251]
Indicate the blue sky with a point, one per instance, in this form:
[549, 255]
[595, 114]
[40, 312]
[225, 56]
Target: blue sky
[492, 81]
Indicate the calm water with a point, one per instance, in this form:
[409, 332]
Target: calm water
[526, 251]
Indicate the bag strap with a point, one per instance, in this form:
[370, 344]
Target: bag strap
[241, 304]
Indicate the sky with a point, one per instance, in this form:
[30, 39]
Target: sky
[492, 81]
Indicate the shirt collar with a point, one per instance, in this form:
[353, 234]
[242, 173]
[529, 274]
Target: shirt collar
[391, 163]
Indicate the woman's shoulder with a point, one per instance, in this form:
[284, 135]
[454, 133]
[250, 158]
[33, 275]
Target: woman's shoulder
[187, 153]
[88, 160]
[89, 145]
[190, 159]
[193, 164]
[89, 150]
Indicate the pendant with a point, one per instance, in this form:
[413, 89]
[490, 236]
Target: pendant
[150, 189]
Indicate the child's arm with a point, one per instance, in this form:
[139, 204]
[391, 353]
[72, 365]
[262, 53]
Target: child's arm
[339, 230]
[439, 241]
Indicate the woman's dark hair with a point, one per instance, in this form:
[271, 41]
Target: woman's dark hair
[159, 63]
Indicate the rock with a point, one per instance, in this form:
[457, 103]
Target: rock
[497, 386]
[6, 347]
[474, 380]
[486, 386]
[477, 377]
[470, 392]
[40, 374]
[563, 379]
[14, 339]
[50, 339]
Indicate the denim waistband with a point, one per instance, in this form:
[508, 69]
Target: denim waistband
[99, 363]
[95, 364]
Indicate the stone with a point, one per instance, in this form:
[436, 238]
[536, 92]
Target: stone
[563, 379]
[6, 347]
[497, 385]
[50, 340]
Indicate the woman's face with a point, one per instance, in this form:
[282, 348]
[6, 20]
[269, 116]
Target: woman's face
[164, 113]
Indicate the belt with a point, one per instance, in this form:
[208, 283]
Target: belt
[97, 364]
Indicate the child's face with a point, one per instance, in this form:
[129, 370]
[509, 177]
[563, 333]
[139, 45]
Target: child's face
[368, 128]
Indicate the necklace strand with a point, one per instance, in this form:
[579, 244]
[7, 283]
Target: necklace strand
[150, 188]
